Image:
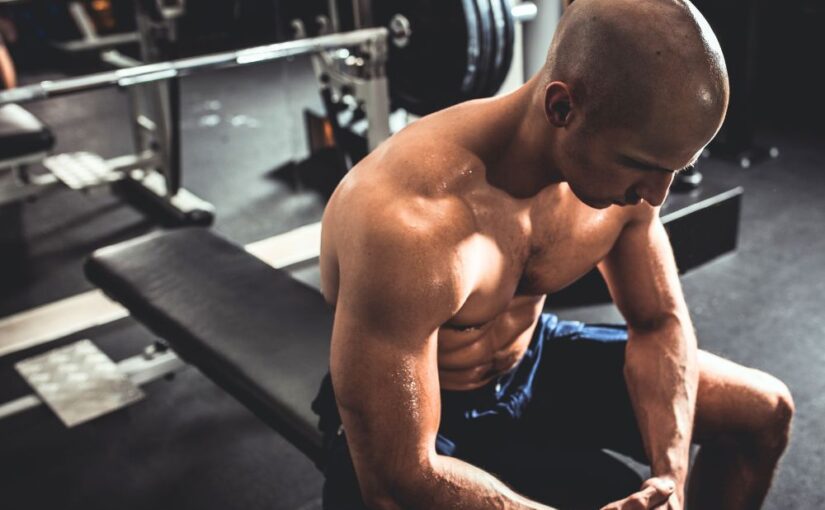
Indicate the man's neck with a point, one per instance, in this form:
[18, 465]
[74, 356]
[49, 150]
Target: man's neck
[526, 164]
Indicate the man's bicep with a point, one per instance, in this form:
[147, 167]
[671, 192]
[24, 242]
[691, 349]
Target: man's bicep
[387, 393]
[384, 366]
[642, 276]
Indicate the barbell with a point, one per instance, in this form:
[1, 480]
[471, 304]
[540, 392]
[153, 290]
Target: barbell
[441, 52]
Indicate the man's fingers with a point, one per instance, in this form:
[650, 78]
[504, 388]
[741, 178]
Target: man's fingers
[654, 495]
[655, 492]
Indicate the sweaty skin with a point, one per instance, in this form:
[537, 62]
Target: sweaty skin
[438, 249]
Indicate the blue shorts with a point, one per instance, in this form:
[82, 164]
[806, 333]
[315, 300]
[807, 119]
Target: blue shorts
[567, 394]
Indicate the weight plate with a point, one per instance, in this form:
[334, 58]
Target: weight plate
[440, 63]
[508, 43]
[500, 30]
[475, 56]
[487, 40]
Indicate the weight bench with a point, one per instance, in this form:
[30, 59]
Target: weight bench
[22, 135]
[24, 140]
[254, 330]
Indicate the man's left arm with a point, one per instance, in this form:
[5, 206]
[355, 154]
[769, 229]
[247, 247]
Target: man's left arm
[660, 359]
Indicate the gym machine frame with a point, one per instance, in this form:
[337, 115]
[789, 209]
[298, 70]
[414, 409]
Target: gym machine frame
[155, 167]
[158, 362]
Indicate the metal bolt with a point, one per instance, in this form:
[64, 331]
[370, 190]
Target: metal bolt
[400, 30]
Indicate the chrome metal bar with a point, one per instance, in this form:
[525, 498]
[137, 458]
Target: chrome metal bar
[334, 18]
[118, 59]
[83, 21]
[378, 111]
[183, 67]
[19, 405]
[23, 160]
[361, 13]
[525, 11]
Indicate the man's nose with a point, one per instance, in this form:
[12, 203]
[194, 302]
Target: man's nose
[654, 188]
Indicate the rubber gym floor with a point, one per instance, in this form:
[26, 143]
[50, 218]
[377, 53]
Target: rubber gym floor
[189, 445]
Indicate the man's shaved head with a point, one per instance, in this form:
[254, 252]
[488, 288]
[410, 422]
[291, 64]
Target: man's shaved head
[628, 61]
[632, 91]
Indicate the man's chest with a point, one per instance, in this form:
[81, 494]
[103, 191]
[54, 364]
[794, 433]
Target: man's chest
[563, 252]
[560, 245]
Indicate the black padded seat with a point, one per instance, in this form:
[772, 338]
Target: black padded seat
[21, 133]
[255, 331]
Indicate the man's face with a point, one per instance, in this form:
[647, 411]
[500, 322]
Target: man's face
[622, 166]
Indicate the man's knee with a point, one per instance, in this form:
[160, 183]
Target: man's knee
[773, 416]
[784, 410]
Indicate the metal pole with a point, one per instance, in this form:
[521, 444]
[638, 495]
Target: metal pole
[525, 11]
[361, 13]
[172, 169]
[82, 20]
[183, 67]
[333, 15]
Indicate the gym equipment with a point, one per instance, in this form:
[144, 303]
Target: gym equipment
[149, 73]
[440, 53]
[22, 135]
[70, 27]
[504, 17]
[153, 170]
[24, 140]
[156, 362]
[90, 39]
[443, 53]
[424, 77]
[426, 72]
[78, 382]
[270, 351]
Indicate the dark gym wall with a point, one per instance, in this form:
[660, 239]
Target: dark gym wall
[791, 76]
[774, 55]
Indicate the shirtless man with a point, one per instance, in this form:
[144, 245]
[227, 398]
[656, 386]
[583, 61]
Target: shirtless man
[439, 248]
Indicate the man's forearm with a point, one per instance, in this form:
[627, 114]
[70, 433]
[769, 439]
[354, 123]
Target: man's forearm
[662, 378]
[452, 483]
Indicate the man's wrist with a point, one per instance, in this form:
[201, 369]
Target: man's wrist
[675, 481]
[678, 477]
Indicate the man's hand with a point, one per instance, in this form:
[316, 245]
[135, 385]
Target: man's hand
[655, 493]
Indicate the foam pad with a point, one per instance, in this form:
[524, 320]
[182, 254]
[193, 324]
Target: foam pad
[255, 331]
[21, 133]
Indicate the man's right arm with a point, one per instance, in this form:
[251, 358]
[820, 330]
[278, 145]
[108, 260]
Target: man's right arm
[395, 291]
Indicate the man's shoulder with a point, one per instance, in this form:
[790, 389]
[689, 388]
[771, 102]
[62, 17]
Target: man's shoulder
[409, 191]
[412, 221]
[405, 250]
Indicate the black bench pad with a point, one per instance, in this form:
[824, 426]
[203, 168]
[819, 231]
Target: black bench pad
[257, 332]
[21, 133]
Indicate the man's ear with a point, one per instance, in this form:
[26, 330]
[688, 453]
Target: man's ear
[558, 103]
